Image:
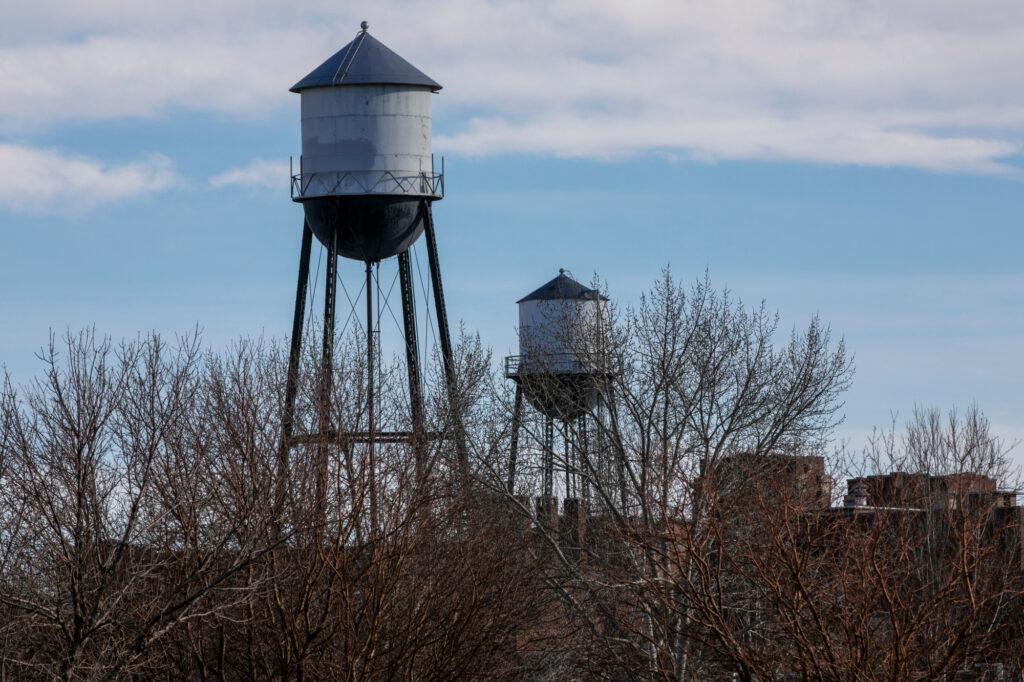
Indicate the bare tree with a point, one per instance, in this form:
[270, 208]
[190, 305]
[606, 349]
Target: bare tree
[698, 379]
[150, 528]
[111, 546]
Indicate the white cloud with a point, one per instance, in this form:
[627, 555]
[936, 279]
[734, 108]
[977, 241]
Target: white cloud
[923, 84]
[34, 180]
[109, 77]
[257, 173]
[821, 139]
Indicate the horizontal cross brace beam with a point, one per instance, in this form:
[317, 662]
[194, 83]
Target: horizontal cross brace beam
[346, 437]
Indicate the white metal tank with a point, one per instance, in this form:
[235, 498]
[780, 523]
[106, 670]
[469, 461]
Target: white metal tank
[559, 324]
[366, 139]
[366, 161]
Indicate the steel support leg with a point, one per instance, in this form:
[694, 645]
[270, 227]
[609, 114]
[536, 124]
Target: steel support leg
[292, 379]
[371, 397]
[586, 468]
[412, 361]
[326, 380]
[445, 338]
[618, 454]
[517, 418]
[568, 435]
[549, 456]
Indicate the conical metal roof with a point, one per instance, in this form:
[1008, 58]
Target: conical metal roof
[365, 61]
[562, 288]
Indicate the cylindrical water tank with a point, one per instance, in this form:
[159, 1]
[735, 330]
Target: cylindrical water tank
[366, 139]
[559, 326]
[366, 163]
[562, 354]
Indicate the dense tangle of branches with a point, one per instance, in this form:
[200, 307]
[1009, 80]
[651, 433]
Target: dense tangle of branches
[149, 529]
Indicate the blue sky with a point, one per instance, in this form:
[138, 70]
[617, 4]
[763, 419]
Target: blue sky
[860, 162]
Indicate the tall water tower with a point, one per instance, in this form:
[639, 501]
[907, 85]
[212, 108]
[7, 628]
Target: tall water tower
[366, 181]
[561, 369]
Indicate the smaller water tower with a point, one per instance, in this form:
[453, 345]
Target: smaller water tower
[560, 370]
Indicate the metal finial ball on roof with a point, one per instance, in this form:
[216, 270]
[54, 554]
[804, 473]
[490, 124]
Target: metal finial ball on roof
[561, 271]
[365, 25]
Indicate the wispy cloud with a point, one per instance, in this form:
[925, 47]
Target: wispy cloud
[47, 181]
[811, 138]
[925, 85]
[257, 173]
[122, 76]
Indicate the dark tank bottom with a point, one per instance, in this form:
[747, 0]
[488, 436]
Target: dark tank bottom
[561, 396]
[368, 228]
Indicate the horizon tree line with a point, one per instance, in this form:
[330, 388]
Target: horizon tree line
[148, 529]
